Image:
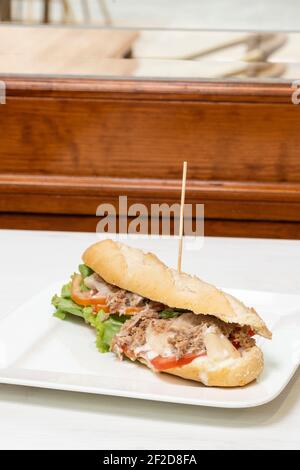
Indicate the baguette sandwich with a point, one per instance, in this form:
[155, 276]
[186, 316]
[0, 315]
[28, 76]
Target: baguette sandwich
[172, 322]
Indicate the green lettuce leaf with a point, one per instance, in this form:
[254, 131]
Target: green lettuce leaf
[169, 313]
[88, 315]
[59, 314]
[66, 291]
[83, 287]
[66, 305]
[106, 330]
[105, 327]
[84, 270]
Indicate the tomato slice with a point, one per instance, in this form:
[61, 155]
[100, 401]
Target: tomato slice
[84, 297]
[164, 363]
[128, 353]
[98, 307]
[132, 310]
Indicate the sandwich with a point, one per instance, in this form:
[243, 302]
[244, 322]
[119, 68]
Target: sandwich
[172, 322]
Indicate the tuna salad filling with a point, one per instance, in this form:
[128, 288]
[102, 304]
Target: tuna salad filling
[139, 328]
[110, 298]
[185, 335]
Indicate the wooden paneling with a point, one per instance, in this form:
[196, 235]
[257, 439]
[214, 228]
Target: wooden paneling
[69, 145]
[218, 228]
[235, 141]
[82, 195]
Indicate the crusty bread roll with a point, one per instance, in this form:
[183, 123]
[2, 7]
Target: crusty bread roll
[228, 373]
[144, 274]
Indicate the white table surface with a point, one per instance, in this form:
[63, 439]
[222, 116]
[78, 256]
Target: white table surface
[48, 419]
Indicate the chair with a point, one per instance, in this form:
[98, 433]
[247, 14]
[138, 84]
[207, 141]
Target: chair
[25, 14]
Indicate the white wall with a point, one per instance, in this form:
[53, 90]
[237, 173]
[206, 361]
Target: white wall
[204, 14]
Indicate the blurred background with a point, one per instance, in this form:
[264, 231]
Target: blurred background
[108, 97]
[157, 38]
[216, 14]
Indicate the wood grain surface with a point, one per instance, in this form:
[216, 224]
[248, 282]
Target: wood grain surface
[65, 51]
[68, 145]
[213, 227]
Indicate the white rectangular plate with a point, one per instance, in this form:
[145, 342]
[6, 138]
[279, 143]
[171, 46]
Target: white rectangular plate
[39, 350]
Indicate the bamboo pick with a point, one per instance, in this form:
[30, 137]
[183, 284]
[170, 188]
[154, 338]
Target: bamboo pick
[181, 215]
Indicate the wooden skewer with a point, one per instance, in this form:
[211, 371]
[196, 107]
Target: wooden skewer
[181, 215]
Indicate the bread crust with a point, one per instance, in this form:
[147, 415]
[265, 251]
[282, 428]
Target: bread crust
[230, 373]
[144, 274]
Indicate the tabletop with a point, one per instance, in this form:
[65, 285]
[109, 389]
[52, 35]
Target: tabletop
[34, 418]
